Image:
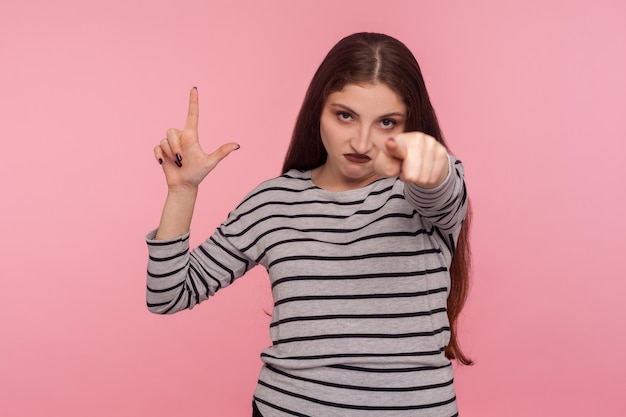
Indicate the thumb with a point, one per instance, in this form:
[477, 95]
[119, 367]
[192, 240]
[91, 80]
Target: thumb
[221, 153]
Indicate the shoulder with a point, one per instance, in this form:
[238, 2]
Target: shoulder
[275, 192]
[289, 183]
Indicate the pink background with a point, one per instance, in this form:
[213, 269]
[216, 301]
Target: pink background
[531, 96]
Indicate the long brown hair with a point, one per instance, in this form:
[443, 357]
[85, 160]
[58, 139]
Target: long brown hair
[373, 57]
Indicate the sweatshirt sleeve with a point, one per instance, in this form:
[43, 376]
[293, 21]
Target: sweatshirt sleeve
[445, 206]
[178, 279]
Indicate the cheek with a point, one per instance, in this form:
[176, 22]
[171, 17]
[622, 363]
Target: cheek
[328, 132]
[378, 141]
[324, 134]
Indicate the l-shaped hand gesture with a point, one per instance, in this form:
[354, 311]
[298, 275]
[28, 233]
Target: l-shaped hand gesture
[184, 162]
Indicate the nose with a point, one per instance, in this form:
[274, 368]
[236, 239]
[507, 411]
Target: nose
[362, 141]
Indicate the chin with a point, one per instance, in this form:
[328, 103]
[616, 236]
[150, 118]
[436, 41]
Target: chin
[357, 174]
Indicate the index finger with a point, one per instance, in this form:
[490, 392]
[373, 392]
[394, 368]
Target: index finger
[192, 113]
[395, 149]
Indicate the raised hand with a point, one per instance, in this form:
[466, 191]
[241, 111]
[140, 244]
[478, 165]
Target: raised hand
[415, 157]
[184, 162]
[185, 165]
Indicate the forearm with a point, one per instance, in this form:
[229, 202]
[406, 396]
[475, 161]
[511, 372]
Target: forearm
[446, 205]
[178, 278]
[177, 213]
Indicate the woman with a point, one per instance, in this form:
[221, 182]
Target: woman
[364, 238]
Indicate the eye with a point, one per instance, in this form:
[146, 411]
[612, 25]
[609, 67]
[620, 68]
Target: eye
[388, 123]
[344, 116]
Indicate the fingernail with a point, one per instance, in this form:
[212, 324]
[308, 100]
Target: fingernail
[195, 88]
[238, 146]
[179, 157]
[391, 140]
[178, 163]
[160, 161]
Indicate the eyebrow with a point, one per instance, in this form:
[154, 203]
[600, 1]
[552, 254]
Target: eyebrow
[348, 109]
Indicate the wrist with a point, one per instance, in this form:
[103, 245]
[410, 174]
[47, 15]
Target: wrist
[182, 191]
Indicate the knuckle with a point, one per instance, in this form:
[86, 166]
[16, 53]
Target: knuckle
[420, 136]
[410, 176]
[414, 178]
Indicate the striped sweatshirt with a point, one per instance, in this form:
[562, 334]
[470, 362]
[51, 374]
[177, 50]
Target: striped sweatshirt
[359, 280]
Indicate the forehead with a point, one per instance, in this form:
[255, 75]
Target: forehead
[374, 97]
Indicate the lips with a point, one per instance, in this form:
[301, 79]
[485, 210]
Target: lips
[357, 158]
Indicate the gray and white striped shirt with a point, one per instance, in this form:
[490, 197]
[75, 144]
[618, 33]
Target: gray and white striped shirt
[360, 282]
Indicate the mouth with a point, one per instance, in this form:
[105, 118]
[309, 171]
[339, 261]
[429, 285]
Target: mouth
[357, 158]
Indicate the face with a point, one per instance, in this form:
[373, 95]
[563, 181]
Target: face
[356, 121]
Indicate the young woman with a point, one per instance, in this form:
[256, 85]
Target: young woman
[364, 238]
